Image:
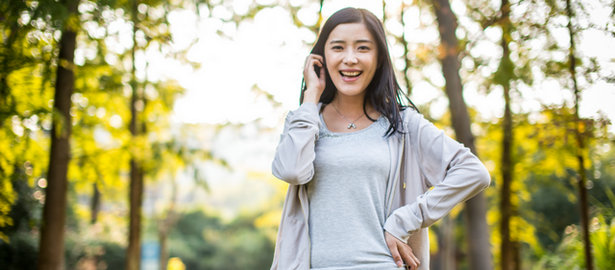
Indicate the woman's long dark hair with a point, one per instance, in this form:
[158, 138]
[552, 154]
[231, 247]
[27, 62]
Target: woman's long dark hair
[383, 92]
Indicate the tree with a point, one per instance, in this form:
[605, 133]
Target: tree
[503, 76]
[51, 249]
[135, 193]
[580, 141]
[148, 113]
[476, 208]
[406, 55]
[164, 227]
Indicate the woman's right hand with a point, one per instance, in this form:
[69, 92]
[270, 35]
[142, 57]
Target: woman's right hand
[314, 84]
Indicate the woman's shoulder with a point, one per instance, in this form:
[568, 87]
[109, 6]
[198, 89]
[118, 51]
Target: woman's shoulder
[409, 115]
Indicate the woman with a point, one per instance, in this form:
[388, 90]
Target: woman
[361, 166]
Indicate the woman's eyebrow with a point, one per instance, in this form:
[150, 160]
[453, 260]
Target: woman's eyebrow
[335, 41]
[364, 41]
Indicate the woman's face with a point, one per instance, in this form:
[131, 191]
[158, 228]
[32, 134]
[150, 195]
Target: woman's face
[351, 57]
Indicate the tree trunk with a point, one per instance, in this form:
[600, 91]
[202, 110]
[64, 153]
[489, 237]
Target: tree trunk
[164, 250]
[384, 11]
[477, 231]
[448, 249]
[164, 227]
[507, 246]
[476, 208]
[582, 177]
[404, 42]
[518, 264]
[133, 252]
[51, 247]
[135, 196]
[95, 204]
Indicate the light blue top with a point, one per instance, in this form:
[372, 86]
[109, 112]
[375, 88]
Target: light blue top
[347, 199]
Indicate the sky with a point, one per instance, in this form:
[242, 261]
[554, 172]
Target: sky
[268, 53]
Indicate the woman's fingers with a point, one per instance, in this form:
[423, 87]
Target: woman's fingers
[406, 253]
[311, 61]
[309, 72]
[314, 82]
[395, 253]
[401, 252]
[391, 242]
[316, 57]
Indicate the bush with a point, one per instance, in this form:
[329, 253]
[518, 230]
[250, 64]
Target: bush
[570, 254]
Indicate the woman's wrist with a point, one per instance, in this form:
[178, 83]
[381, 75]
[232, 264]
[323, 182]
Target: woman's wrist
[311, 95]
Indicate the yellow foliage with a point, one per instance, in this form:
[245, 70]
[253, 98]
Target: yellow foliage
[138, 148]
[5, 238]
[175, 263]
[269, 219]
[15, 153]
[493, 219]
[30, 84]
[73, 23]
[456, 210]
[522, 231]
[7, 153]
[433, 242]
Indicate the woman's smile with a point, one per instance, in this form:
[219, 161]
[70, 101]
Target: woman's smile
[350, 75]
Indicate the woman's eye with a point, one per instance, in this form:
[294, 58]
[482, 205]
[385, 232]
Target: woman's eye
[364, 48]
[337, 48]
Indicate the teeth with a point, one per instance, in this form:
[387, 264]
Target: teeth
[350, 73]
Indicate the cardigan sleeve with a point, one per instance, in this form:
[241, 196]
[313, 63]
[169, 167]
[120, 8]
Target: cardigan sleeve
[294, 156]
[455, 174]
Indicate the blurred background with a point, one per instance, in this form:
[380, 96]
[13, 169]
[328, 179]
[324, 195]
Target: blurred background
[138, 134]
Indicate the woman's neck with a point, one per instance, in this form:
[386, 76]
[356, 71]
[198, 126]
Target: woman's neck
[350, 105]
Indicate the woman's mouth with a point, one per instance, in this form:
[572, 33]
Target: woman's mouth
[350, 75]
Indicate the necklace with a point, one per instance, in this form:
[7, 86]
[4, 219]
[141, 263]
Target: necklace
[350, 123]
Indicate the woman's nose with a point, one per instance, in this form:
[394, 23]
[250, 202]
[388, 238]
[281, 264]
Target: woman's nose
[350, 58]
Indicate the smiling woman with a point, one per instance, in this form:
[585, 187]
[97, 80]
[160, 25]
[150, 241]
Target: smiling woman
[361, 171]
[353, 48]
[351, 56]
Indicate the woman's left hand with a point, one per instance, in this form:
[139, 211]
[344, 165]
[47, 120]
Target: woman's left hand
[401, 250]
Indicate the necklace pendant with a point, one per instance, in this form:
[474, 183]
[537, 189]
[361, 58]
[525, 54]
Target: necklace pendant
[351, 125]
